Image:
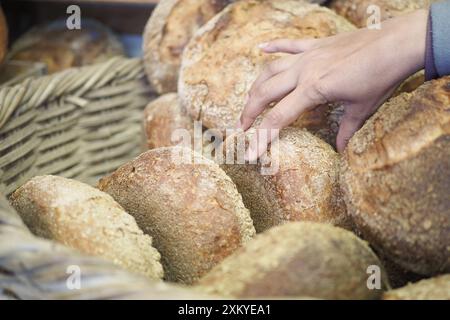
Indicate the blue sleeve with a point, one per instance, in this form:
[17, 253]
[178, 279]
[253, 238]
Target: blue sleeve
[439, 34]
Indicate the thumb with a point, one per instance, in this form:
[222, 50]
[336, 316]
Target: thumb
[349, 125]
[288, 45]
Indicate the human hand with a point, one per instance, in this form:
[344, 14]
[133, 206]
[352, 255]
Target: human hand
[360, 69]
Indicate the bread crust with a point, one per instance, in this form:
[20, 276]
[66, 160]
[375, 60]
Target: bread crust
[88, 220]
[396, 179]
[298, 259]
[192, 211]
[3, 36]
[356, 10]
[228, 44]
[430, 289]
[303, 187]
[167, 32]
[162, 117]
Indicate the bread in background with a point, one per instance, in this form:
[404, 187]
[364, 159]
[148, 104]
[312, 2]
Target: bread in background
[60, 48]
[429, 289]
[86, 219]
[169, 29]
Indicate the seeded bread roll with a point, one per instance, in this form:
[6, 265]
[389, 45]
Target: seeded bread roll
[3, 36]
[88, 220]
[191, 209]
[298, 259]
[430, 289]
[170, 27]
[359, 12]
[162, 117]
[300, 184]
[396, 178]
[222, 60]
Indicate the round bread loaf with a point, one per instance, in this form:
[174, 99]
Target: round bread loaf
[300, 184]
[60, 48]
[3, 36]
[169, 29]
[298, 259]
[359, 12]
[430, 289]
[222, 60]
[396, 178]
[162, 117]
[88, 220]
[191, 209]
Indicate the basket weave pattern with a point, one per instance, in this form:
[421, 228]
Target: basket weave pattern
[81, 123]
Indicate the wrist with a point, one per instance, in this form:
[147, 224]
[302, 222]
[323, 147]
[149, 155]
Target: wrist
[416, 33]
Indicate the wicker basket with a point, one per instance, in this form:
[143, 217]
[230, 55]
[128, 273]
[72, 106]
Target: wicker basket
[81, 123]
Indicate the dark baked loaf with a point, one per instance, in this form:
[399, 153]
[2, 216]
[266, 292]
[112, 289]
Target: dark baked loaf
[192, 209]
[60, 48]
[168, 30]
[222, 60]
[396, 178]
[300, 184]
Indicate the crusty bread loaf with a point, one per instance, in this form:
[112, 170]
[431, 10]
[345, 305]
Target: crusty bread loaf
[298, 259]
[168, 30]
[162, 117]
[430, 289]
[222, 60]
[357, 11]
[396, 178]
[302, 184]
[60, 48]
[88, 220]
[3, 36]
[191, 209]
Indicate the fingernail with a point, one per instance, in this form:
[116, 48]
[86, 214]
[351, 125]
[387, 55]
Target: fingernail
[251, 156]
[263, 45]
[238, 124]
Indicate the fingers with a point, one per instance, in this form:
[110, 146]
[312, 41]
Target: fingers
[288, 45]
[261, 96]
[283, 114]
[349, 125]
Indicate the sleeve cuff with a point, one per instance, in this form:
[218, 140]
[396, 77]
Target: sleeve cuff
[439, 28]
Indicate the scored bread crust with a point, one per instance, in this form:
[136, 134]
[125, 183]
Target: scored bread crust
[396, 178]
[294, 260]
[192, 211]
[88, 220]
[3, 36]
[303, 187]
[429, 289]
[167, 32]
[162, 117]
[356, 10]
[222, 60]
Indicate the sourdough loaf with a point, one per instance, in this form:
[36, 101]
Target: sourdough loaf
[60, 48]
[191, 209]
[162, 117]
[222, 60]
[359, 12]
[300, 184]
[3, 36]
[167, 32]
[298, 259]
[430, 289]
[88, 220]
[396, 178]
